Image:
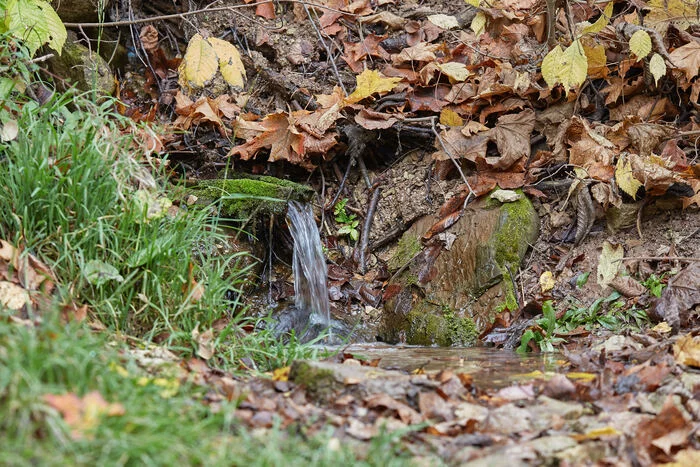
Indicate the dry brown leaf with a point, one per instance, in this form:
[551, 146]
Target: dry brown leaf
[372, 120]
[422, 52]
[687, 58]
[512, 136]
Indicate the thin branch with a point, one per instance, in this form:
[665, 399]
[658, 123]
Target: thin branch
[364, 238]
[329, 54]
[198, 12]
[454, 161]
[689, 259]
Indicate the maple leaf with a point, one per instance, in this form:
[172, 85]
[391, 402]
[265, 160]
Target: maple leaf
[370, 82]
[280, 136]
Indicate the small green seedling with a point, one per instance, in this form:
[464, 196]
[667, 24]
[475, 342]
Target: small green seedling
[348, 222]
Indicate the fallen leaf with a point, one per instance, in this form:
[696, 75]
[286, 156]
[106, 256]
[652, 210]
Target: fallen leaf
[686, 350]
[609, 263]
[687, 58]
[83, 415]
[370, 82]
[546, 282]
[444, 21]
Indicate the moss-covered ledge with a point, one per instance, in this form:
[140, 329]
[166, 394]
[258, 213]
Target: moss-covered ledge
[246, 195]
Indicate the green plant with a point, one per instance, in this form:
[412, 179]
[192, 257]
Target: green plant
[544, 334]
[655, 284]
[348, 222]
[75, 196]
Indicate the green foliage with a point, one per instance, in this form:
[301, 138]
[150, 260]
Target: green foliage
[156, 428]
[348, 222]
[33, 21]
[607, 312]
[70, 197]
[655, 284]
[582, 279]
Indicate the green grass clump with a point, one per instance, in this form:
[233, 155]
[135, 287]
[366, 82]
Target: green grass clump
[76, 194]
[157, 427]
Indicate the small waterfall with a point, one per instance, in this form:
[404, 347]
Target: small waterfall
[309, 266]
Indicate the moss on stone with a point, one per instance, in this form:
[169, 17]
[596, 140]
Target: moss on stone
[518, 222]
[318, 381]
[409, 245]
[429, 326]
[247, 196]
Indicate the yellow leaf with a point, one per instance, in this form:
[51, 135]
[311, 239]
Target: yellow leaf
[601, 22]
[472, 2]
[370, 82]
[457, 72]
[205, 56]
[449, 117]
[199, 64]
[662, 328]
[551, 65]
[640, 43]
[624, 177]
[230, 63]
[574, 67]
[657, 67]
[281, 374]
[609, 263]
[546, 281]
[682, 13]
[597, 61]
[581, 376]
[597, 433]
[686, 350]
[479, 23]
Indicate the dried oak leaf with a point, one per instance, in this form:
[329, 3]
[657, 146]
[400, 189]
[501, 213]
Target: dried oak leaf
[587, 145]
[372, 120]
[422, 52]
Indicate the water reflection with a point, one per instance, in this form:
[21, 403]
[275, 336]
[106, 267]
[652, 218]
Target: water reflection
[490, 368]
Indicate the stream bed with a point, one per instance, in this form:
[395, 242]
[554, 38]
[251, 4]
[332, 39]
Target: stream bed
[490, 368]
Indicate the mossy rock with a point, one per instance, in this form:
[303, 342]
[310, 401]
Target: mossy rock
[429, 324]
[243, 197]
[491, 239]
[82, 68]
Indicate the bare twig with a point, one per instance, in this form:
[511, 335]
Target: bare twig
[329, 54]
[454, 161]
[364, 239]
[43, 58]
[689, 259]
[198, 12]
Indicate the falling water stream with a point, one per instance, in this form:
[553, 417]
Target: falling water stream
[308, 266]
[310, 316]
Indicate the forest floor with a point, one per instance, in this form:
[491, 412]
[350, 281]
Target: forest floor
[464, 98]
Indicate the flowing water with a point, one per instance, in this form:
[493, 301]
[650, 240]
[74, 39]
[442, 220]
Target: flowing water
[308, 266]
[489, 368]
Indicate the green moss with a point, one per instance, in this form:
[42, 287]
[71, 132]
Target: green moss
[431, 325]
[409, 245]
[247, 196]
[319, 381]
[518, 225]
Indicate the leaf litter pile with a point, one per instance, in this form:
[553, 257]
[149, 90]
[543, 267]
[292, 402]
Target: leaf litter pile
[590, 108]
